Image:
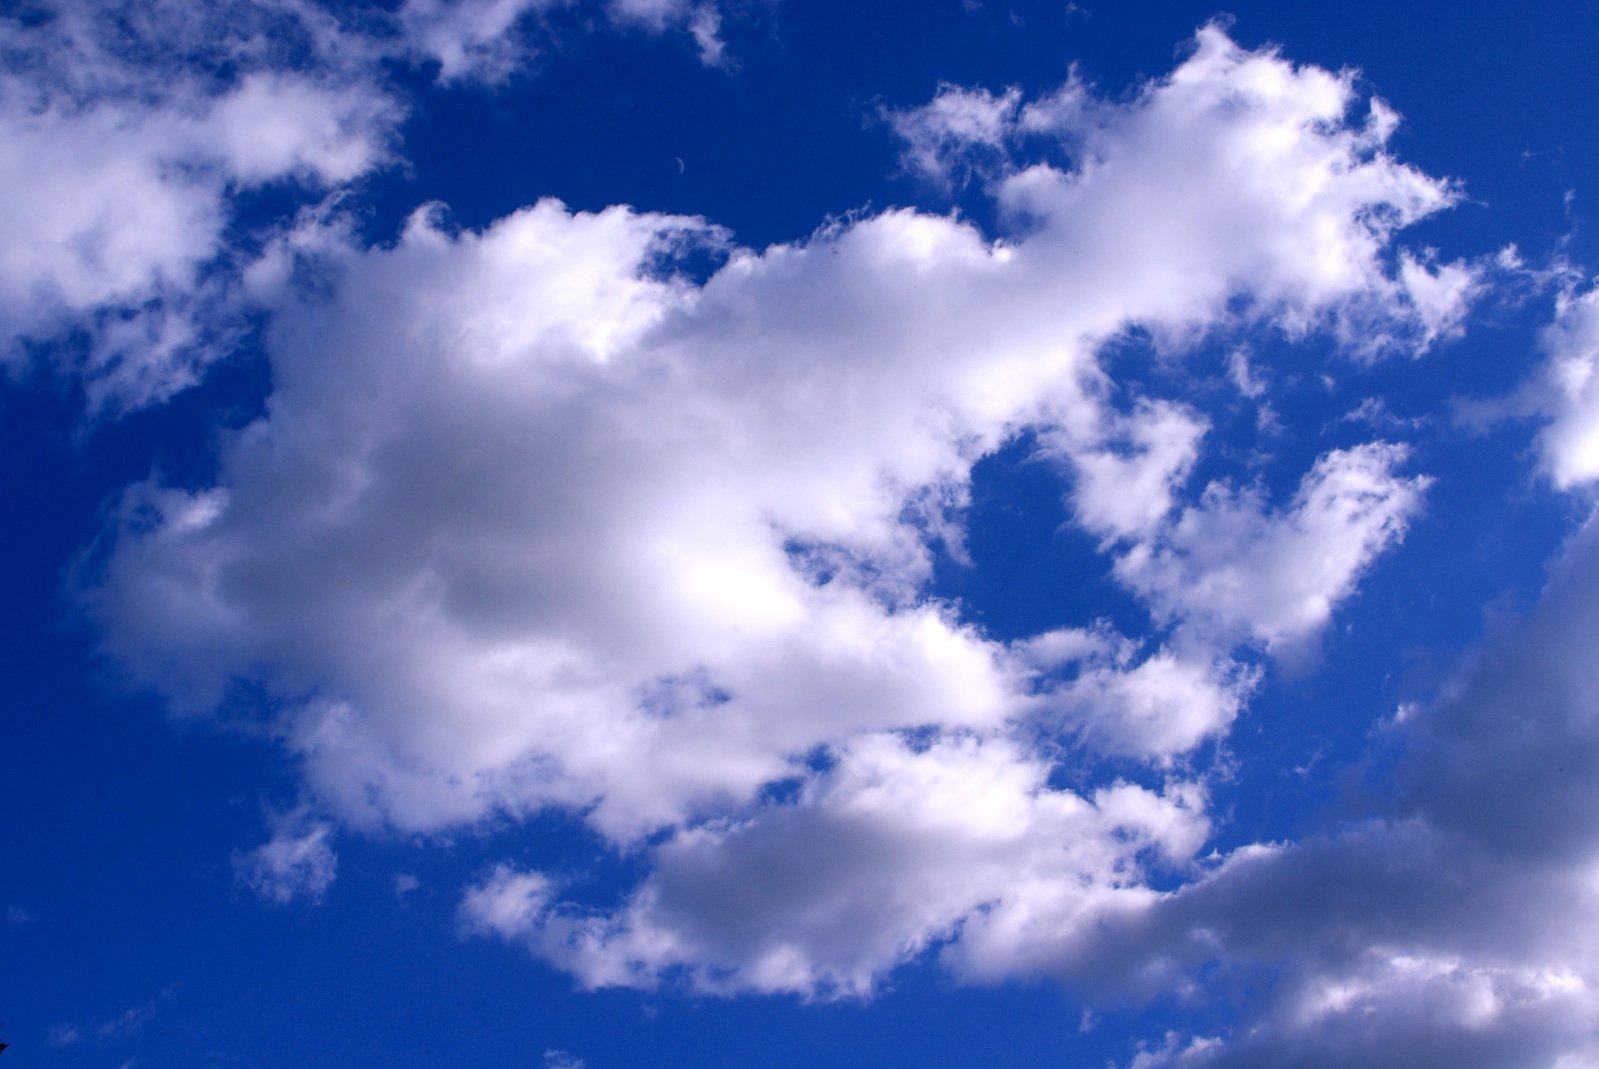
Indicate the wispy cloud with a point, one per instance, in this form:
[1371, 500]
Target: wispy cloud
[298, 862]
[123, 1026]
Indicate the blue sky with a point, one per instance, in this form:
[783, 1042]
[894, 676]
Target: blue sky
[719, 533]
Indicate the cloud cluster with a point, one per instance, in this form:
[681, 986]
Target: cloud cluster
[534, 518]
[123, 153]
[1452, 930]
[897, 847]
[133, 135]
[1569, 392]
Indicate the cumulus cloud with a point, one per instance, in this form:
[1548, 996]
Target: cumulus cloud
[122, 151]
[1570, 391]
[1451, 929]
[1164, 704]
[1128, 474]
[895, 848]
[1233, 565]
[533, 518]
[130, 135]
[1170, 177]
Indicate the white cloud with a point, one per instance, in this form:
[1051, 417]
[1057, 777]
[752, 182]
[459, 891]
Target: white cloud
[1166, 704]
[892, 851]
[297, 862]
[505, 904]
[124, 151]
[1126, 479]
[959, 131]
[272, 125]
[1452, 930]
[485, 42]
[119, 159]
[1171, 175]
[470, 39]
[1232, 565]
[700, 19]
[533, 520]
[1119, 699]
[1571, 391]
[560, 1059]
[1440, 294]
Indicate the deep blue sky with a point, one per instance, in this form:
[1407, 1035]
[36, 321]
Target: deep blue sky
[134, 933]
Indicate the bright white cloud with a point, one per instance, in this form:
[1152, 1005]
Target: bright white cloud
[1128, 476]
[1571, 391]
[1232, 565]
[1291, 207]
[893, 849]
[1166, 704]
[506, 904]
[120, 155]
[1454, 930]
[533, 520]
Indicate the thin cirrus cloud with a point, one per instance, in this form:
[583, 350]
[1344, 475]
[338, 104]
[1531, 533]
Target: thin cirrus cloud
[535, 519]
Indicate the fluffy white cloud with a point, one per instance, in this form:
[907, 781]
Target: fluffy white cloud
[506, 904]
[1166, 704]
[1297, 223]
[1454, 929]
[1231, 565]
[125, 149]
[895, 848]
[1127, 475]
[120, 156]
[1570, 391]
[534, 520]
